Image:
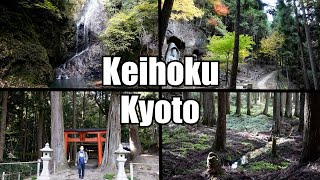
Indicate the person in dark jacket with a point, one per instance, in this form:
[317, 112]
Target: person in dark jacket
[81, 160]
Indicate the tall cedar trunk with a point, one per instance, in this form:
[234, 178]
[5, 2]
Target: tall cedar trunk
[281, 104]
[83, 107]
[100, 118]
[288, 112]
[266, 105]
[74, 121]
[186, 95]
[235, 59]
[296, 104]
[25, 132]
[4, 111]
[301, 114]
[113, 138]
[238, 104]
[40, 125]
[276, 114]
[302, 59]
[164, 19]
[57, 131]
[135, 144]
[309, 45]
[248, 104]
[311, 143]
[255, 95]
[228, 102]
[220, 139]
[208, 109]
[214, 122]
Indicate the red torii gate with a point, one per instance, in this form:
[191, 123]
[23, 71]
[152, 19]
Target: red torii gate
[71, 136]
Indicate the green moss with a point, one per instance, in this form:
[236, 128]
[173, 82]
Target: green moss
[33, 40]
[203, 139]
[248, 144]
[47, 5]
[263, 165]
[24, 63]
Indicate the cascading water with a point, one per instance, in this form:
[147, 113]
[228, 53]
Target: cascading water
[86, 62]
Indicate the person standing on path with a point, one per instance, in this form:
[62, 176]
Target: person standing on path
[81, 160]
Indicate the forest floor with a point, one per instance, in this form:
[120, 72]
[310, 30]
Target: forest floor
[147, 169]
[185, 150]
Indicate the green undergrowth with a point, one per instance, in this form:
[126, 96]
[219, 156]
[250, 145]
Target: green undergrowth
[249, 123]
[109, 176]
[264, 165]
[112, 176]
[185, 141]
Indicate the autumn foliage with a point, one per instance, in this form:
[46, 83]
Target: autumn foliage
[220, 8]
[213, 22]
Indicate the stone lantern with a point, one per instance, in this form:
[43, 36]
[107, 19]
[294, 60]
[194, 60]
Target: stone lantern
[121, 159]
[45, 175]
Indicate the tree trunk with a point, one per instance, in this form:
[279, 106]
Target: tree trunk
[4, 111]
[248, 104]
[301, 114]
[296, 105]
[288, 112]
[186, 95]
[74, 121]
[83, 107]
[276, 114]
[255, 95]
[57, 131]
[208, 109]
[113, 138]
[281, 104]
[311, 150]
[220, 139]
[266, 105]
[135, 145]
[309, 45]
[40, 125]
[302, 60]
[235, 59]
[164, 19]
[228, 102]
[238, 104]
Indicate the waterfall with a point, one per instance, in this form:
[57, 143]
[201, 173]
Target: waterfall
[86, 62]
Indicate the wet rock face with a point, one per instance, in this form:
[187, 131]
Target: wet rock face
[86, 61]
[192, 38]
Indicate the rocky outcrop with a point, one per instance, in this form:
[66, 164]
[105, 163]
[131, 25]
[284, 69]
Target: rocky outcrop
[33, 39]
[186, 36]
[87, 59]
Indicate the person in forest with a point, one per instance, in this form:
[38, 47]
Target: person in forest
[81, 160]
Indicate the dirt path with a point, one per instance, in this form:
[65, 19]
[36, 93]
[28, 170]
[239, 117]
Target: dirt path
[262, 83]
[147, 168]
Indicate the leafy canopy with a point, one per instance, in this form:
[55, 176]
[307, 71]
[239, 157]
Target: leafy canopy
[221, 47]
[127, 26]
[271, 44]
[185, 10]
